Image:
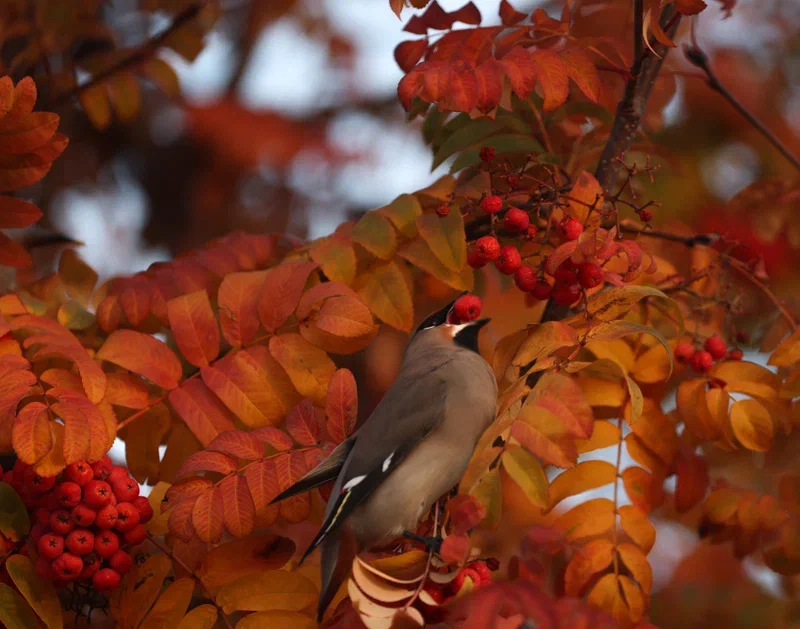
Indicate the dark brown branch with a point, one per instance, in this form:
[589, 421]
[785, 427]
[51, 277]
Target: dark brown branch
[699, 59]
[138, 56]
[690, 241]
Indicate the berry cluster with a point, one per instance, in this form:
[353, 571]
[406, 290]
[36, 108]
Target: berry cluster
[474, 574]
[85, 521]
[714, 349]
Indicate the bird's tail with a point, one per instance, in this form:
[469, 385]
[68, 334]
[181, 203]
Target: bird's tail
[338, 551]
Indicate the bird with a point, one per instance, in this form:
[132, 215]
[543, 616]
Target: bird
[412, 449]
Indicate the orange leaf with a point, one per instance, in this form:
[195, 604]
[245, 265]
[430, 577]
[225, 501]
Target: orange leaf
[208, 514]
[341, 405]
[16, 213]
[408, 53]
[262, 480]
[12, 253]
[644, 489]
[563, 397]
[31, 434]
[142, 354]
[200, 409]
[387, 294]
[594, 517]
[290, 468]
[53, 462]
[543, 340]
[281, 292]
[14, 385]
[207, 462]
[604, 434]
[466, 512]
[342, 325]
[194, 327]
[308, 367]
[375, 233]
[238, 444]
[752, 425]
[180, 520]
[304, 423]
[655, 431]
[275, 437]
[619, 597]
[455, 549]
[552, 74]
[184, 490]
[637, 564]
[315, 295]
[123, 389]
[521, 71]
[555, 452]
[635, 523]
[583, 477]
[582, 71]
[721, 505]
[692, 481]
[590, 560]
[238, 306]
[694, 412]
[239, 509]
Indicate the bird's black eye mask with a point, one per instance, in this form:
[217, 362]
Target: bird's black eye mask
[439, 317]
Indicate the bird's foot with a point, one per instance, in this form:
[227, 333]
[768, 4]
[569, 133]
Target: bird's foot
[431, 543]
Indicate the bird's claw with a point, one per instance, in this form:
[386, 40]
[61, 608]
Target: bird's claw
[433, 544]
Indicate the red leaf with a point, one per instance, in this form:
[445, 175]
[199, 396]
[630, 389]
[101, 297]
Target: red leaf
[318, 294]
[416, 25]
[194, 327]
[239, 510]
[16, 213]
[238, 444]
[463, 86]
[551, 73]
[455, 549]
[142, 354]
[692, 481]
[109, 314]
[200, 409]
[436, 18]
[31, 436]
[281, 291]
[180, 521]
[466, 512]
[411, 85]
[184, 490]
[341, 405]
[303, 424]
[436, 80]
[582, 71]
[238, 312]
[488, 85]
[520, 70]
[291, 467]
[407, 54]
[14, 385]
[468, 14]
[509, 15]
[208, 514]
[85, 433]
[13, 254]
[262, 480]
[134, 297]
[206, 462]
[274, 437]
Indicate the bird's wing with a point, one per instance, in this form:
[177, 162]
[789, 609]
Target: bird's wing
[408, 413]
[326, 471]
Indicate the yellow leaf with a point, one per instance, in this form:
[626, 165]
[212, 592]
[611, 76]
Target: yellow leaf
[171, 606]
[612, 303]
[652, 366]
[583, 477]
[445, 236]
[619, 597]
[158, 525]
[788, 351]
[385, 290]
[635, 523]
[336, 257]
[586, 192]
[526, 472]
[637, 564]
[748, 378]
[617, 350]
[489, 491]
[276, 620]
[139, 589]
[40, 594]
[78, 277]
[15, 613]
[403, 212]
[604, 435]
[543, 340]
[752, 425]
[375, 233]
[309, 367]
[588, 519]
[418, 253]
[607, 367]
[590, 560]
[619, 329]
[602, 391]
[267, 591]
[202, 617]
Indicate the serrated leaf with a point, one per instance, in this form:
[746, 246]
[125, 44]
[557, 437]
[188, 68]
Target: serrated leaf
[308, 367]
[201, 410]
[208, 515]
[385, 290]
[375, 233]
[239, 508]
[527, 473]
[341, 405]
[238, 306]
[144, 355]
[281, 292]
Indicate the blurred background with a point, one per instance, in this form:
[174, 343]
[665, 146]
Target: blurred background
[287, 120]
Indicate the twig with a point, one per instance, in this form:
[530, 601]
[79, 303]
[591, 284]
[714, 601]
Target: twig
[699, 59]
[141, 54]
[690, 241]
[164, 549]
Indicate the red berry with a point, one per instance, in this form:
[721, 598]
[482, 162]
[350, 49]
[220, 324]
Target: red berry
[475, 259]
[683, 352]
[443, 210]
[83, 515]
[97, 494]
[565, 294]
[590, 275]
[36, 532]
[701, 362]
[107, 517]
[646, 215]
[541, 290]
[483, 570]
[120, 561]
[144, 508]
[466, 573]
[467, 308]
[117, 472]
[68, 567]
[566, 272]
[50, 546]
[61, 522]
[487, 154]
[488, 248]
[516, 220]
[91, 564]
[37, 484]
[125, 489]
[44, 569]
[80, 542]
[127, 517]
[42, 516]
[509, 260]
[492, 204]
[105, 580]
[80, 472]
[570, 228]
[531, 232]
[102, 468]
[716, 347]
[736, 354]
[436, 592]
[525, 278]
[69, 494]
[106, 544]
[136, 535]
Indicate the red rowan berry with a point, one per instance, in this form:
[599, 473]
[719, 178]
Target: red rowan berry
[80, 472]
[68, 567]
[443, 210]
[97, 494]
[542, 290]
[42, 516]
[683, 352]
[127, 517]
[475, 259]
[736, 354]
[102, 468]
[566, 272]
[106, 544]
[467, 308]
[117, 472]
[525, 278]
[488, 248]
[590, 275]
[83, 515]
[69, 494]
[492, 204]
[136, 535]
[121, 561]
[701, 362]
[482, 570]
[144, 508]
[646, 215]
[565, 294]
[80, 542]
[37, 484]
[436, 592]
[487, 154]
[91, 564]
[50, 546]
[125, 489]
[570, 228]
[107, 517]
[105, 580]
[466, 573]
[531, 232]
[716, 347]
[509, 260]
[61, 522]
[516, 220]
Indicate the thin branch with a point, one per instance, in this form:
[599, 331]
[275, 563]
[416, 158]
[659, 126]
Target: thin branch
[690, 241]
[138, 56]
[164, 549]
[699, 59]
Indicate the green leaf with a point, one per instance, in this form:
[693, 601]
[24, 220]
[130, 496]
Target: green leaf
[40, 593]
[14, 520]
[613, 303]
[489, 491]
[618, 329]
[446, 238]
[387, 294]
[403, 213]
[375, 233]
[472, 133]
[15, 613]
[526, 471]
[503, 143]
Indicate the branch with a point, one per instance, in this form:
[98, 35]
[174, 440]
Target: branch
[138, 56]
[699, 59]
[690, 241]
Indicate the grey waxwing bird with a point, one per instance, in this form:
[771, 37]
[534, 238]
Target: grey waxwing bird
[413, 448]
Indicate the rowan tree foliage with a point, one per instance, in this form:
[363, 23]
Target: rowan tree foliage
[626, 401]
